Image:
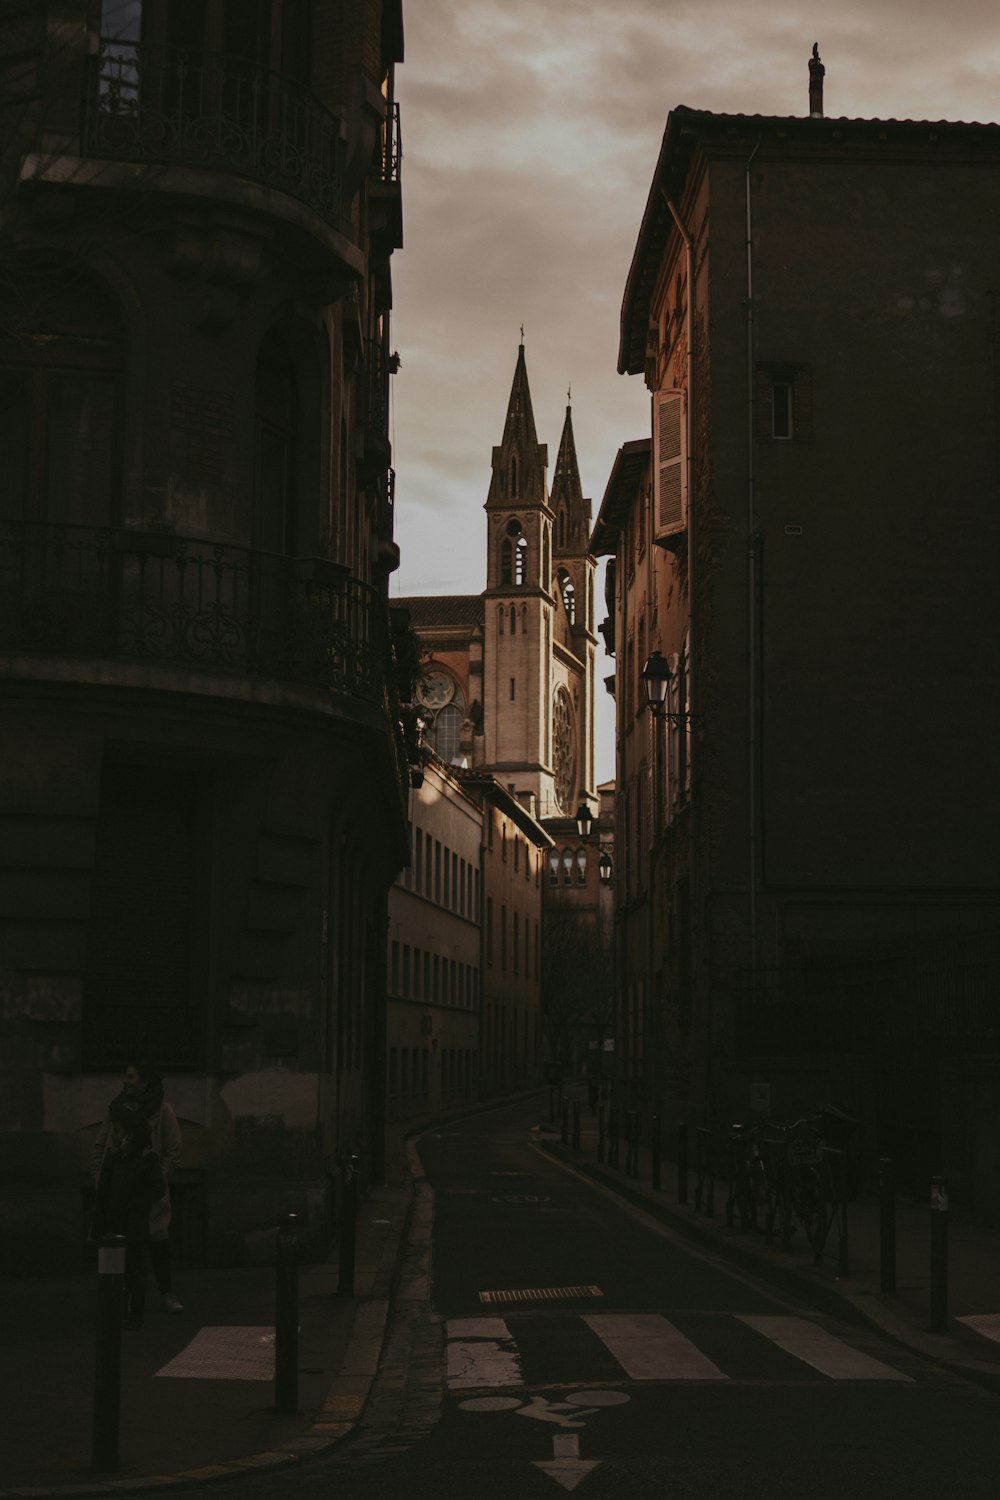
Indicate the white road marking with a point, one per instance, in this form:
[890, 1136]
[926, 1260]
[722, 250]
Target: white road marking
[814, 1346]
[566, 1466]
[648, 1347]
[475, 1355]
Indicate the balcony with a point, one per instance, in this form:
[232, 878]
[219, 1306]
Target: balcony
[156, 598]
[385, 203]
[185, 107]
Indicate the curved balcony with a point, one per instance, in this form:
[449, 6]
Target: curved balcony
[186, 107]
[151, 597]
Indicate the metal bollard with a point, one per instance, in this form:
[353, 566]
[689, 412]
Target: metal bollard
[654, 1149]
[576, 1124]
[348, 1227]
[939, 1255]
[682, 1163]
[600, 1132]
[286, 1316]
[108, 1353]
[887, 1224]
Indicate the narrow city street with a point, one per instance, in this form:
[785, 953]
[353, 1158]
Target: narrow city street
[570, 1343]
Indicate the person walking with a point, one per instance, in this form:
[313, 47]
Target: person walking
[129, 1182]
[142, 1096]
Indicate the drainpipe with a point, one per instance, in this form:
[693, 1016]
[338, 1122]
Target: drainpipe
[753, 548]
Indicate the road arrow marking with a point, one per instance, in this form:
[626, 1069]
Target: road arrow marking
[566, 1466]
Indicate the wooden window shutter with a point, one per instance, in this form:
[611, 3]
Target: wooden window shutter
[669, 468]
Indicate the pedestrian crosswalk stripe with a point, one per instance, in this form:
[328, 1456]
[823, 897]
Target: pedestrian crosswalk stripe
[814, 1346]
[648, 1347]
[483, 1353]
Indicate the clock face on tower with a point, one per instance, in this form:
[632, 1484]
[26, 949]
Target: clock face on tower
[563, 749]
[435, 690]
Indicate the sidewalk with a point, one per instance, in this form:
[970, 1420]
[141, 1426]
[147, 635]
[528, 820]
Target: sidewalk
[904, 1316]
[186, 1430]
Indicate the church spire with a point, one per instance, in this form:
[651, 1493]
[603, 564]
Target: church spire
[520, 462]
[572, 510]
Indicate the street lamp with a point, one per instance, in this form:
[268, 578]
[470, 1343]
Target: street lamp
[605, 867]
[656, 675]
[584, 820]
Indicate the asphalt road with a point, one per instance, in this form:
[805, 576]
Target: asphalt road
[607, 1357]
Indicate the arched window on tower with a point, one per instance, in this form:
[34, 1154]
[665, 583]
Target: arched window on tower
[581, 867]
[567, 594]
[506, 562]
[524, 619]
[501, 617]
[562, 528]
[546, 558]
[513, 475]
[520, 559]
[513, 620]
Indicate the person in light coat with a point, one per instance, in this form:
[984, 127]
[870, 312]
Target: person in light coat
[142, 1095]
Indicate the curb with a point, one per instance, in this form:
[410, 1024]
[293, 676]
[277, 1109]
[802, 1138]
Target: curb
[350, 1389]
[828, 1299]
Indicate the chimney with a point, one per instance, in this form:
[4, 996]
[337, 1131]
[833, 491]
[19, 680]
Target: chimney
[816, 73]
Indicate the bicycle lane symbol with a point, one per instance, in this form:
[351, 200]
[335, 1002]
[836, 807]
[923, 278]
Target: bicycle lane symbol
[565, 1466]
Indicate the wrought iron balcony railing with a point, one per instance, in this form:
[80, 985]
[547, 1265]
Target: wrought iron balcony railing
[158, 598]
[391, 147]
[183, 106]
[376, 390]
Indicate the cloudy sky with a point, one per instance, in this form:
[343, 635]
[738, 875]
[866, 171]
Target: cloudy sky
[530, 133]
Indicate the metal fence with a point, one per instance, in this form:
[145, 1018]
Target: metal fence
[152, 597]
[185, 106]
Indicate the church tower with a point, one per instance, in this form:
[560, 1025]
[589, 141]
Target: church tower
[538, 650]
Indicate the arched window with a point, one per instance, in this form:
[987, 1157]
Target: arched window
[501, 617]
[520, 559]
[513, 620]
[448, 732]
[567, 867]
[524, 619]
[553, 867]
[506, 562]
[568, 594]
[562, 528]
[581, 867]
[513, 475]
[546, 557]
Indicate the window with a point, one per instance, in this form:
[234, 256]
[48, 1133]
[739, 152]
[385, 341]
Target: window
[567, 865]
[513, 620]
[516, 926]
[520, 560]
[418, 993]
[568, 594]
[61, 354]
[461, 889]
[553, 867]
[506, 562]
[524, 619]
[503, 937]
[394, 968]
[454, 882]
[406, 968]
[437, 871]
[419, 860]
[513, 689]
[784, 403]
[513, 475]
[517, 852]
[501, 617]
[489, 930]
[581, 867]
[447, 879]
[782, 409]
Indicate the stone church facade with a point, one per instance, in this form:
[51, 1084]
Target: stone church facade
[508, 685]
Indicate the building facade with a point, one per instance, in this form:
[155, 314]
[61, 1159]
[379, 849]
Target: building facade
[203, 774]
[435, 951]
[809, 889]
